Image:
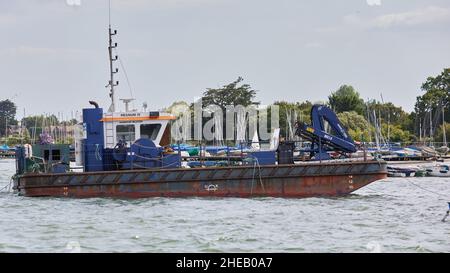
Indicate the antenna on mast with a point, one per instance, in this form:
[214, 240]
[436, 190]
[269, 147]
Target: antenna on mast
[112, 59]
[109, 12]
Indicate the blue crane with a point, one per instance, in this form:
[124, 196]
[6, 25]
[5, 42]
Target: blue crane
[321, 141]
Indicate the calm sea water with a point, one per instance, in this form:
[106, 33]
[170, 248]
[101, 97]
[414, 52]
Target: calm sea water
[387, 216]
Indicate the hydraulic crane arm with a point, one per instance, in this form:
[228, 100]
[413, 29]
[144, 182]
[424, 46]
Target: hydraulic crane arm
[316, 133]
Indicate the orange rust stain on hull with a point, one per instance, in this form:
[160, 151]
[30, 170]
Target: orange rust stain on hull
[299, 187]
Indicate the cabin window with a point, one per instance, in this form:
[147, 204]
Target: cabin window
[150, 131]
[126, 133]
[55, 155]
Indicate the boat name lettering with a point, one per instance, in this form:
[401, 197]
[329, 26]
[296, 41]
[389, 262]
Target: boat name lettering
[130, 115]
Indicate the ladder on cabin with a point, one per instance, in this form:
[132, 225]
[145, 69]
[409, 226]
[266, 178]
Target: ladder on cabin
[109, 131]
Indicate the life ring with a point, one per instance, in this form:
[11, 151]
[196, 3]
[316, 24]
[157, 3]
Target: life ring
[28, 150]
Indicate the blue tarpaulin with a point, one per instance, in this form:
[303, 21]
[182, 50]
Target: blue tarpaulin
[4, 147]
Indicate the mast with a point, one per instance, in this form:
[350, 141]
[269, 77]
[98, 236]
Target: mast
[368, 120]
[6, 128]
[112, 59]
[389, 127]
[420, 129]
[388, 121]
[377, 139]
[112, 71]
[444, 136]
[431, 126]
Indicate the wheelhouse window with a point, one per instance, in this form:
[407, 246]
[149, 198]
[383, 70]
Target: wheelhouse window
[126, 133]
[55, 155]
[150, 131]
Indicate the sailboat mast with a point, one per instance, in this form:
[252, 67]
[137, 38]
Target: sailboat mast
[6, 128]
[420, 130]
[388, 120]
[377, 128]
[368, 120]
[444, 136]
[431, 127]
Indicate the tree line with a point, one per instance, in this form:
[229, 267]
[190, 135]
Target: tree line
[28, 129]
[363, 119]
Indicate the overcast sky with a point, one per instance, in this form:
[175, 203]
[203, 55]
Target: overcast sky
[53, 54]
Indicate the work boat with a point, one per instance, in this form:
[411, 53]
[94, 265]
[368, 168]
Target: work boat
[128, 155]
[124, 155]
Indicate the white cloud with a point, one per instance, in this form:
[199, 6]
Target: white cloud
[161, 3]
[427, 15]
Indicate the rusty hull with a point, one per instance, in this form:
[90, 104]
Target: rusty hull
[292, 181]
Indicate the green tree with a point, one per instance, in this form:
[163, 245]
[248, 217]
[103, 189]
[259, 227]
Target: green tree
[356, 125]
[7, 115]
[15, 139]
[299, 111]
[437, 95]
[176, 104]
[69, 122]
[397, 134]
[390, 116]
[234, 93]
[37, 124]
[346, 99]
[440, 133]
[440, 84]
